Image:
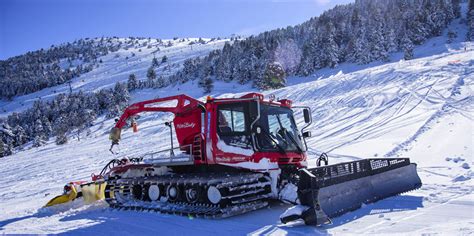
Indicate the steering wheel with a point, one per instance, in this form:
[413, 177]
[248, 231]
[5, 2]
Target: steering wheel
[280, 136]
[281, 133]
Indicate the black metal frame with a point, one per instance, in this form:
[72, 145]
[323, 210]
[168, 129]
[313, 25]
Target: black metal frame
[312, 180]
[342, 172]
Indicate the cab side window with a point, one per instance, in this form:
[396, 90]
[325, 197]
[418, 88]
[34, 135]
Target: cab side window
[231, 120]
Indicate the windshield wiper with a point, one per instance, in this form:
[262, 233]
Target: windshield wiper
[289, 135]
[292, 139]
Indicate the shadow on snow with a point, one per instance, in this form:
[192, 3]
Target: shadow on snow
[260, 222]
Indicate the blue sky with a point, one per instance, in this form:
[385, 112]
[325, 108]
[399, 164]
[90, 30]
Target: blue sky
[27, 25]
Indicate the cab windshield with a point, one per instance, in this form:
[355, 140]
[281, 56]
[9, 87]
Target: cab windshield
[278, 130]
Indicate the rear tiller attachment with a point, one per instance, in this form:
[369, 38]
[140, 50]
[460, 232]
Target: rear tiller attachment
[329, 191]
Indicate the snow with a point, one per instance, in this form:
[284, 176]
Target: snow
[422, 109]
[233, 149]
[263, 165]
[294, 210]
[288, 193]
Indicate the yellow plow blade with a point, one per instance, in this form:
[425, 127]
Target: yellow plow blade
[90, 192]
[63, 198]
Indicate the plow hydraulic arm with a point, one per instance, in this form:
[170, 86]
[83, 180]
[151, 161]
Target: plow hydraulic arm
[178, 105]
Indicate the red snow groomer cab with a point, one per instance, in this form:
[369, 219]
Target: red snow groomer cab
[234, 155]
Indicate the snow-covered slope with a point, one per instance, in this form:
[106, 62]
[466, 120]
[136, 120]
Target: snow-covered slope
[422, 109]
[117, 66]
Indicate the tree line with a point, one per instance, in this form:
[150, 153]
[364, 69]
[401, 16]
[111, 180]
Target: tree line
[65, 116]
[361, 32]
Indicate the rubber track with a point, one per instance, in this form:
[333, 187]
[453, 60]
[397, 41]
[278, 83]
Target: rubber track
[252, 192]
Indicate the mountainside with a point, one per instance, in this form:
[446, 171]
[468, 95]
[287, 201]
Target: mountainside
[57, 65]
[420, 108]
[362, 32]
[34, 118]
[126, 56]
[55, 92]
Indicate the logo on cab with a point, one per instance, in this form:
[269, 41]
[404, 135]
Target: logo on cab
[185, 125]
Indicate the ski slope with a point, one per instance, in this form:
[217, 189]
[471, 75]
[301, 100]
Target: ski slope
[422, 109]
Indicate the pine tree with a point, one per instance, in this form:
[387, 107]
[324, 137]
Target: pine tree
[62, 126]
[331, 50]
[470, 21]
[151, 75]
[2, 148]
[207, 84]
[275, 76]
[154, 62]
[407, 46]
[160, 82]
[390, 39]
[132, 82]
[87, 118]
[39, 131]
[164, 59]
[6, 149]
[113, 111]
[6, 139]
[378, 42]
[38, 141]
[358, 45]
[47, 127]
[308, 60]
[61, 139]
[121, 95]
[457, 8]
[436, 19]
[20, 135]
[417, 30]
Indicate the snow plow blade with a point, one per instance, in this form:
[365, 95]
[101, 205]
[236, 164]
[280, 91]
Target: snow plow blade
[89, 192]
[93, 191]
[333, 190]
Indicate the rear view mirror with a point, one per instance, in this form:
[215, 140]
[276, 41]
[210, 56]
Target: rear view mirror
[307, 134]
[307, 115]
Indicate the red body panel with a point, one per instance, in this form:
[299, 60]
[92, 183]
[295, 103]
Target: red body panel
[187, 126]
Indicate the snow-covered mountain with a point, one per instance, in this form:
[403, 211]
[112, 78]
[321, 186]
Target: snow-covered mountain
[421, 108]
[54, 92]
[126, 56]
[72, 106]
